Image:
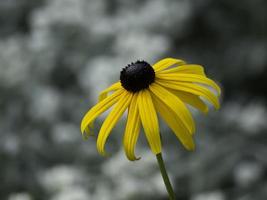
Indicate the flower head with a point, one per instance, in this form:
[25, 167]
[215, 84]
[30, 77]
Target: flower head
[164, 88]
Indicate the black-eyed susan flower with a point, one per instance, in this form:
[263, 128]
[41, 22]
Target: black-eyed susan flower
[148, 92]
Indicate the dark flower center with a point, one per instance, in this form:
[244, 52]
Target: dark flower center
[137, 76]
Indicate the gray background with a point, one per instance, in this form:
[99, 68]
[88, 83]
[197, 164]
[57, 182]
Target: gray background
[56, 55]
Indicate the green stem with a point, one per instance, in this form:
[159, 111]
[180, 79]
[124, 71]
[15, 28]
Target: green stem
[165, 176]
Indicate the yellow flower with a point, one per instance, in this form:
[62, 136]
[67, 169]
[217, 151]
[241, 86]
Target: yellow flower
[163, 88]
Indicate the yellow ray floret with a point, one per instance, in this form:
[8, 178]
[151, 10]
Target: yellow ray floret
[174, 104]
[167, 62]
[185, 69]
[149, 120]
[132, 129]
[190, 78]
[194, 89]
[98, 109]
[104, 93]
[111, 120]
[174, 122]
[192, 100]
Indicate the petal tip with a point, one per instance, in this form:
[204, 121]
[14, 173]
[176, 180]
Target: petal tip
[192, 148]
[206, 112]
[104, 153]
[133, 159]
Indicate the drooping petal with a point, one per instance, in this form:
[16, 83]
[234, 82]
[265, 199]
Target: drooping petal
[167, 62]
[111, 120]
[185, 69]
[174, 122]
[104, 93]
[192, 100]
[132, 129]
[192, 88]
[149, 120]
[190, 78]
[175, 104]
[98, 109]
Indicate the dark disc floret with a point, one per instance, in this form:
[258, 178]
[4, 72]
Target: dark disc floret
[137, 76]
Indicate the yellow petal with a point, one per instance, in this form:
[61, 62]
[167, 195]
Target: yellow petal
[175, 104]
[104, 93]
[149, 120]
[186, 69]
[190, 78]
[98, 109]
[192, 88]
[132, 129]
[111, 120]
[192, 100]
[167, 62]
[174, 122]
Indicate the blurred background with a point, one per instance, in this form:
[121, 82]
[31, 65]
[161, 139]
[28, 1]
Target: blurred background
[56, 55]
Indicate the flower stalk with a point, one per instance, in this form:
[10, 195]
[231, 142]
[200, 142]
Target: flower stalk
[165, 177]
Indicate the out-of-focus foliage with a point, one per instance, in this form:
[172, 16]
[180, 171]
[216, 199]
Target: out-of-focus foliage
[56, 55]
